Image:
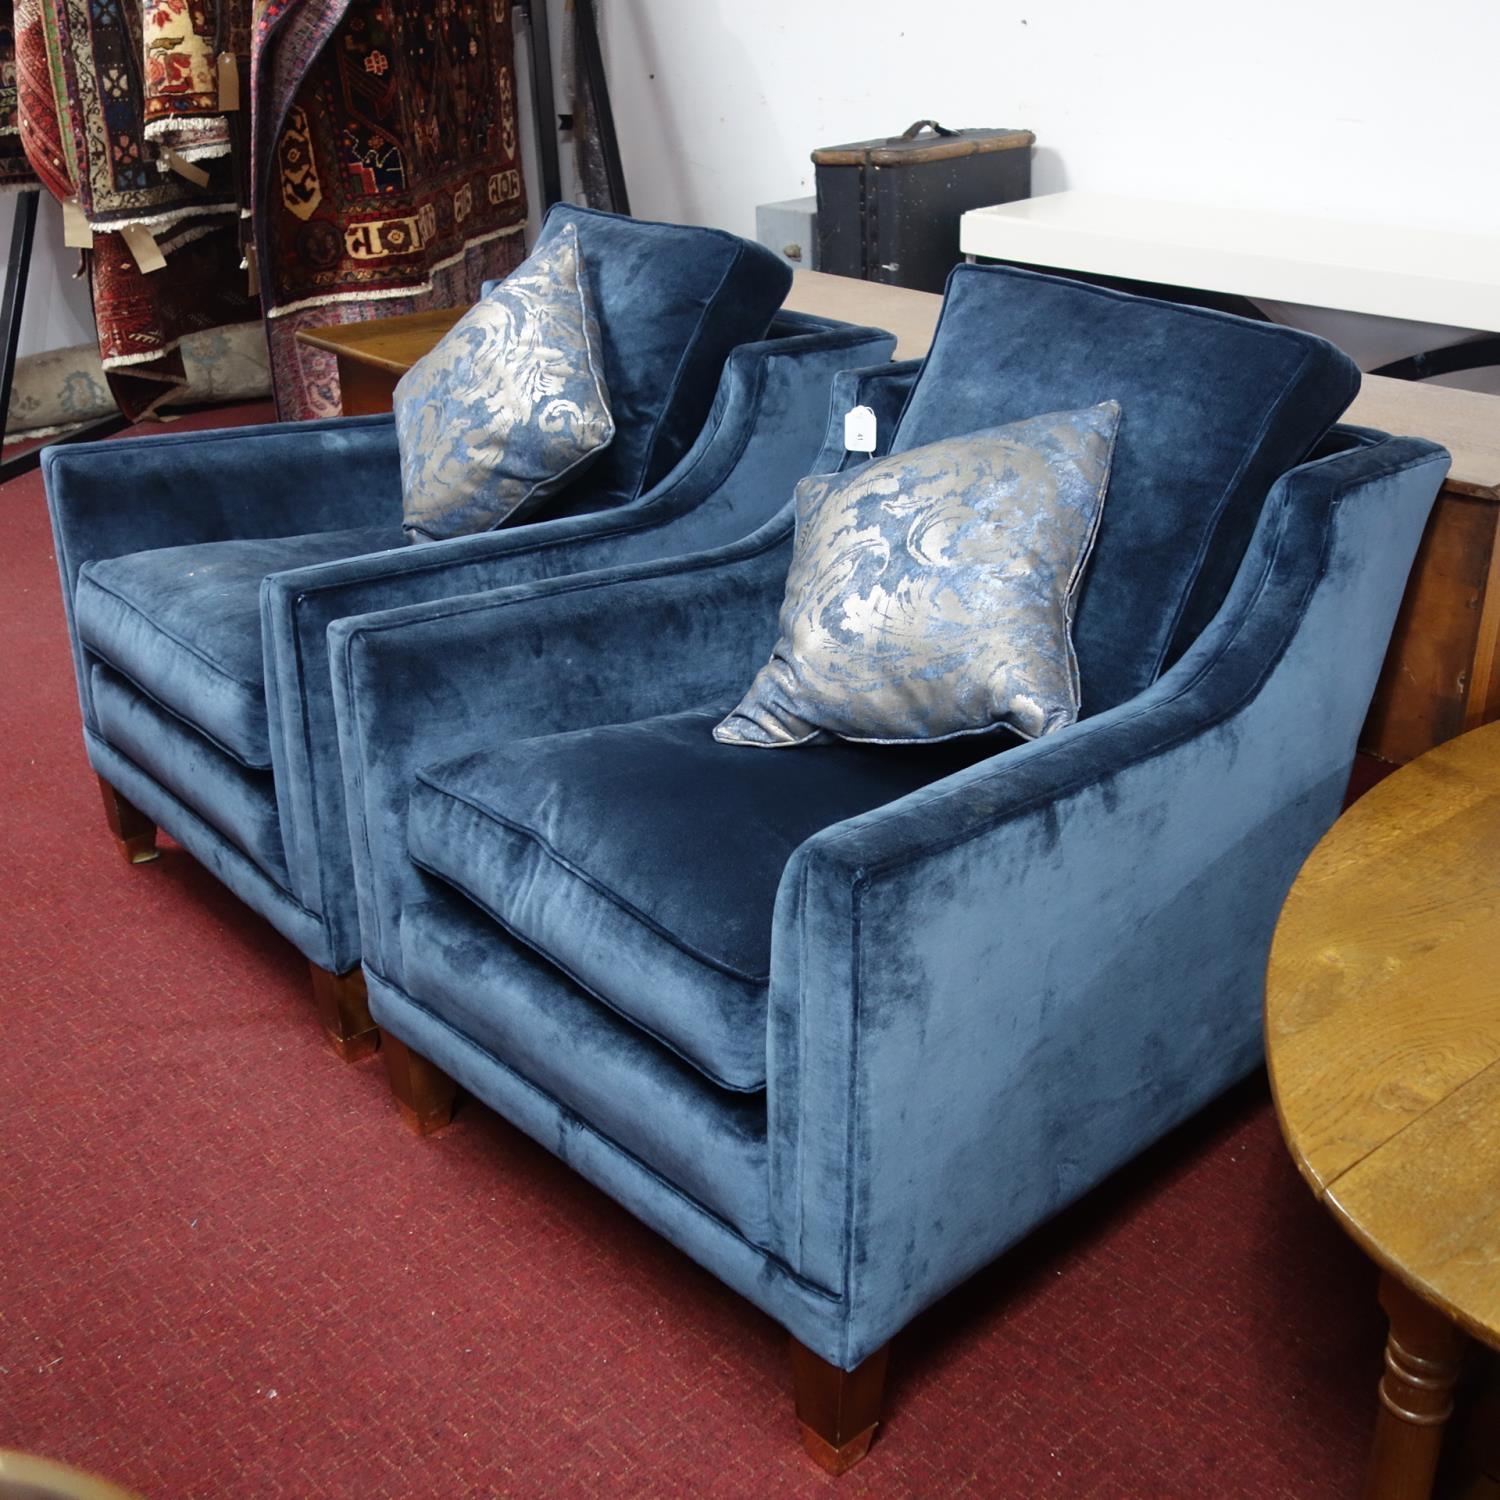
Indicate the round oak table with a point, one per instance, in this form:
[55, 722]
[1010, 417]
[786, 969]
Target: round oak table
[1383, 1042]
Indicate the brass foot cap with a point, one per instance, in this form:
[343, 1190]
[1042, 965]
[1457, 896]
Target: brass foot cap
[841, 1459]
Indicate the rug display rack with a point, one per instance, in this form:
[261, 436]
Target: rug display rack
[298, 162]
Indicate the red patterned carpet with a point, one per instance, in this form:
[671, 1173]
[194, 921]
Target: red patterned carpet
[226, 1270]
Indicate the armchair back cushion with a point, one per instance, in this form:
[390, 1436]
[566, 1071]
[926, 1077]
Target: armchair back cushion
[1216, 408]
[672, 301]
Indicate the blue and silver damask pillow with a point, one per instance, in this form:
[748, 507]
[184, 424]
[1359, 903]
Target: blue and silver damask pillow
[510, 406]
[931, 593]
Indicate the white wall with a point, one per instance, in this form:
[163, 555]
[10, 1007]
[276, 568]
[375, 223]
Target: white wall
[57, 311]
[1378, 110]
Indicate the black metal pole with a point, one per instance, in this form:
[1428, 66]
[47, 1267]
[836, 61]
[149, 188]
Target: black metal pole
[543, 106]
[604, 115]
[17, 268]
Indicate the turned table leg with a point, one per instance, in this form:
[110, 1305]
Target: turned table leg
[134, 832]
[344, 1009]
[423, 1091]
[838, 1409]
[1422, 1359]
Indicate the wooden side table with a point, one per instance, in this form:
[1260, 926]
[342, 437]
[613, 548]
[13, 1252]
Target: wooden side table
[1442, 674]
[1383, 1042]
[373, 356]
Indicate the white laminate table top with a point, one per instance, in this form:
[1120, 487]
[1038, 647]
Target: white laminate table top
[1392, 271]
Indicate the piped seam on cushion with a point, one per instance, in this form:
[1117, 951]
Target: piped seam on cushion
[1080, 564]
[355, 771]
[1216, 515]
[563, 968]
[208, 815]
[813, 1288]
[564, 863]
[86, 576]
[229, 845]
[104, 659]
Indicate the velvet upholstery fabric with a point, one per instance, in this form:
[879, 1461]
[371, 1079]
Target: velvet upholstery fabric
[1215, 408]
[519, 1008]
[221, 856]
[245, 663]
[672, 301]
[450, 698]
[548, 837]
[984, 994]
[183, 623]
[286, 480]
[238, 802]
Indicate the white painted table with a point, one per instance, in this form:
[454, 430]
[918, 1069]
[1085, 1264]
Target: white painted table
[1422, 275]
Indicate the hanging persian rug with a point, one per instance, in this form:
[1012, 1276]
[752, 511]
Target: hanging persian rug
[42, 128]
[165, 256]
[183, 41]
[119, 180]
[15, 170]
[386, 162]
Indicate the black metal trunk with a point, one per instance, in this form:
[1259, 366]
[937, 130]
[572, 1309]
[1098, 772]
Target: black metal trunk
[888, 210]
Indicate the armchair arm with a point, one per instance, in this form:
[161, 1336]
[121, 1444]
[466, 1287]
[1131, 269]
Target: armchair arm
[988, 995]
[761, 436]
[884, 389]
[283, 479]
[433, 681]
[108, 499]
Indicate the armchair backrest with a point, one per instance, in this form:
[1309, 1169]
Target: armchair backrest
[672, 301]
[1215, 409]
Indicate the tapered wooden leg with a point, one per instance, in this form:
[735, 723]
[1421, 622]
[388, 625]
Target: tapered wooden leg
[423, 1091]
[1423, 1356]
[134, 832]
[839, 1409]
[344, 1010]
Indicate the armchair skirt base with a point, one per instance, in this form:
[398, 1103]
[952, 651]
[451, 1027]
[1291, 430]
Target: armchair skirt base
[148, 801]
[813, 1315]
[134, 832]
[837, 1409]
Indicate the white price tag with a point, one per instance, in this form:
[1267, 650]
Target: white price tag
[76, 232]
[859, 430]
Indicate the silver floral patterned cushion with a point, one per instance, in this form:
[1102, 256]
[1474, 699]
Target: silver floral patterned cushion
[510, 406]
[931, 593]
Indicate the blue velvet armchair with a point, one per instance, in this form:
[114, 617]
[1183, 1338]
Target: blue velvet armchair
[200, 571]
[844, 1022]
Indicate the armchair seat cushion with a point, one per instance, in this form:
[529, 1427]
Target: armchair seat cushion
[183, 624]
[643, 860]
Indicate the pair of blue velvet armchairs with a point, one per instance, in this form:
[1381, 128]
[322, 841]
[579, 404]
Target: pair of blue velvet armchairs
[842, 1022]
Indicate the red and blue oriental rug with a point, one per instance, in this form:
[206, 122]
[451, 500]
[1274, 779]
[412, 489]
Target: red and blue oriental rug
[386, 167]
